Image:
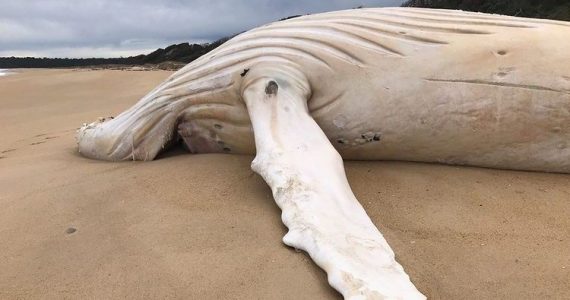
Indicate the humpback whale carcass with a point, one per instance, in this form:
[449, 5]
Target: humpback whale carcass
[372, 84]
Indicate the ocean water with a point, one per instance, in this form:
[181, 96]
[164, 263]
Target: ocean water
[4, 72]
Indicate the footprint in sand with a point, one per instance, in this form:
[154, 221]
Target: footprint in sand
[6, 151]
[45, 139]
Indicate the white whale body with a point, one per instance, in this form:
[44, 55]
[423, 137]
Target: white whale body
[372, 84]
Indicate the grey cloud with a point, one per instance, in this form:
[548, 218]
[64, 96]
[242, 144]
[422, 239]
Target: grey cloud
[109, 28]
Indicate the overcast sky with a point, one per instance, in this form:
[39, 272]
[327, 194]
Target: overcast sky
[112, 28]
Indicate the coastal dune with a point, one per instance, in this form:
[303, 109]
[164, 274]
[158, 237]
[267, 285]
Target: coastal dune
[206, 227]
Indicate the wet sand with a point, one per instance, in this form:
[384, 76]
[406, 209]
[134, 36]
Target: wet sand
[206, 227]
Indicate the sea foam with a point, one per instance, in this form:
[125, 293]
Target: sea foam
[4, 72]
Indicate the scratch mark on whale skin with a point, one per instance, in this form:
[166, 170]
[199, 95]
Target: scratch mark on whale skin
[500, 84]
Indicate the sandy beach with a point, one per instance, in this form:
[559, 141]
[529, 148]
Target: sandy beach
[206, 227]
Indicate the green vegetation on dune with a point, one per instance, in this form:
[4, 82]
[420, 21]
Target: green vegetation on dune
[171, 57]
[544, 9]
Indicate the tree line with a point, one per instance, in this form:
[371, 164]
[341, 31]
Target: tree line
[181, 53]
[543, 9]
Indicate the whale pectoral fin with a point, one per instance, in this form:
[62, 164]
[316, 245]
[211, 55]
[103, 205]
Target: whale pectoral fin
[308, 181]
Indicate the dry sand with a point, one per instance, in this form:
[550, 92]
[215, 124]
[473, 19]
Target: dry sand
[206, 227]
